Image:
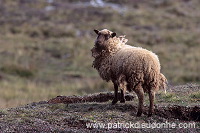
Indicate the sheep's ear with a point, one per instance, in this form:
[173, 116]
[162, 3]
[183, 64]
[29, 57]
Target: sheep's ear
[113, 34]
[96, 31]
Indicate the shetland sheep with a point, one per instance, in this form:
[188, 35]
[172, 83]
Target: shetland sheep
[130, 68]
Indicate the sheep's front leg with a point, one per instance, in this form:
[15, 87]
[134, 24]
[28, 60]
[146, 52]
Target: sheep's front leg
[122, 100]
[151, 100]
[116, 94]
[140, 93]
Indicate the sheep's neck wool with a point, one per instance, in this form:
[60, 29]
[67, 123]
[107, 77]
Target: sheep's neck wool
[103, 61]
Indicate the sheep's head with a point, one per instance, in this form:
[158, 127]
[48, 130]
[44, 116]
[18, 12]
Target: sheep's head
[104, 37]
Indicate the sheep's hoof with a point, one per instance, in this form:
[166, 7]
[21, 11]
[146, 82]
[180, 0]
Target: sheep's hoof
[150, 114]
[114, 102]
[122, 101]
[139, 114]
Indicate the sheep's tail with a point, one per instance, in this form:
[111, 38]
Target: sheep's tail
[163, 82]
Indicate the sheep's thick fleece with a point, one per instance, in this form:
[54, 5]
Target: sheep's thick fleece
[136, 65]
[124, 63]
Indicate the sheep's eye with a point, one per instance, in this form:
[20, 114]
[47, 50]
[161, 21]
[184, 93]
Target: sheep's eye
[107, 37]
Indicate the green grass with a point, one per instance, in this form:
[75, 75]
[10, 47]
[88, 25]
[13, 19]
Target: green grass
[195, 96]
[17, 70]
[171, 97]
[176, 98]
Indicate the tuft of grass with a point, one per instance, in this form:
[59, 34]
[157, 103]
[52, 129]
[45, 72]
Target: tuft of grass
[17, 70]
[171, 97]
[195, 95]
[3, 112]
[54, 107]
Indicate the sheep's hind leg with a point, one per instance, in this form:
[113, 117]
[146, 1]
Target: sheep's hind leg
[140, 93]
[151, 100]
[122, 85]
[122, 99]
[115, 100]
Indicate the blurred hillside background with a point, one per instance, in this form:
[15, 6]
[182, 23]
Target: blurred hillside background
[45, 44]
